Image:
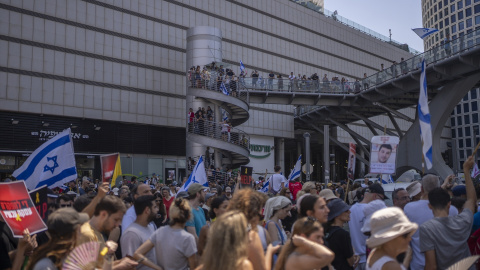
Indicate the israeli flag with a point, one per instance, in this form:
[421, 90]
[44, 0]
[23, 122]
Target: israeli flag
[52, 164]
[424, 119]
[388, 181]
[198, 176]
[297, 170]
[475, 171]
[242, 67]
[224, 89]
[224, 115]
[265, 186]
[424, 32]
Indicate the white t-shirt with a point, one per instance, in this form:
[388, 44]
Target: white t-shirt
[277, 180]
[291, 77]
[419, 213]
[173, 247]
[133, 237]
[357, 218]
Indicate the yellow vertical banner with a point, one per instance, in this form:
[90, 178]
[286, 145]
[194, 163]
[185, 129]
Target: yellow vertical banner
[118, 170]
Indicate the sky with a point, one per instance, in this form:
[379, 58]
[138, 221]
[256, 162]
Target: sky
[380, 15]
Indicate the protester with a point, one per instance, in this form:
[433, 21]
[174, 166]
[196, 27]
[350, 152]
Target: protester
[227, 248]
[414, 191]
[338, 239]
[167, 200]
[161, 217]
[218, 207]
[277, 208]
[277, 181]
[196, 196]
[357, 218]
[305, 250]
[130, 216]
[139, 232]
[295, 186]
[63, 229]
[327, 194]
[419, 212]
[400, 197]
[391, 232]
[443, 239]
[250, 203]
[314, 206]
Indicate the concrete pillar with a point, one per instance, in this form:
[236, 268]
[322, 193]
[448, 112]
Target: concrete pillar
[280, 153]
[204, 46]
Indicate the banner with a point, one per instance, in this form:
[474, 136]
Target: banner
[18, 210]
[246, 179]
[39, 199]
[383, 154]
[109, 163]
[351, 161]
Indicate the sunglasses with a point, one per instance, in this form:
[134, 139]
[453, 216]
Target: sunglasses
[65, 205]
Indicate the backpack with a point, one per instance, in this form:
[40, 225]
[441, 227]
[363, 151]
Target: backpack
[474, 245]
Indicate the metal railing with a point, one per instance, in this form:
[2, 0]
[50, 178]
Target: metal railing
[334, 15]
[220, 131]
[214, 81]
[299, 85]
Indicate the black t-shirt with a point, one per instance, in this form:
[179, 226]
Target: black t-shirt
[271, 75]
[339, 242]
[255, 75]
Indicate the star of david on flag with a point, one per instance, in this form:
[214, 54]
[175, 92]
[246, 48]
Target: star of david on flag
[52, 164]
[198, 176]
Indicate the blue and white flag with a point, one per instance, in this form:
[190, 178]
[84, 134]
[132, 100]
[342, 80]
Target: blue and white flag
[424, 32]
[198, 176]
[224, 115]
[265, 186]
[242, 67]
[424, 119]
[297, 170]
[224, 89]
[52, 164]
[388, 181]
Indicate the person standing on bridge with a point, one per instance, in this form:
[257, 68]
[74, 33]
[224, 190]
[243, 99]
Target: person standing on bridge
[292, 81]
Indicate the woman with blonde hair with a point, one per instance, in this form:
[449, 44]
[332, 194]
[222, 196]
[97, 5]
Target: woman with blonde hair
[305, 250]
[227, 248]
[250, 203]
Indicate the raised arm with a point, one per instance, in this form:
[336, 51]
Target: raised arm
[471, 202]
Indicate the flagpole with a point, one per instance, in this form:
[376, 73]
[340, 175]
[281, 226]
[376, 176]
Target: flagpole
[476, 148]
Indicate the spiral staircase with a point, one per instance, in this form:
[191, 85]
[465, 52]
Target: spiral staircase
[234, 145]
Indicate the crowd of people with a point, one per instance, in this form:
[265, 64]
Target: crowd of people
[218, 78]
[279, 225]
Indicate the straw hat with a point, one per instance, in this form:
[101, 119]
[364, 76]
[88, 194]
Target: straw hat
[388, 224]
[327, 194]
[414, 188]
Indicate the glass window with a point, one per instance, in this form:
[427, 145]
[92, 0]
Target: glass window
[445, 11]
[476, 1]
[461, 26]
[475, 118]
[465, 98]
[469, 153]
[460, 132]
[440, 15]
[477, 19]
[459, 108]
[467, 119]
[454, 36]
[440, 5]
[447, 21]
[460, 15]
[452, 121]
[452, 8]
[459, 120]
[473, 94]
[445, 2]
[453, 18]
[468, 2]
[441, 26]
[476, 8]
[474, 106]
[468, 12]
[469, 22]
[434, 8]
[454, 28]
[459, 4]
[460, 143]
[468, 143]
[453, 133]
[462, 154]
[467, 132]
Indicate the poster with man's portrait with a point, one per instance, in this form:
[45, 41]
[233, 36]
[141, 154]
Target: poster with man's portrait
[351, 161]
[383, 154]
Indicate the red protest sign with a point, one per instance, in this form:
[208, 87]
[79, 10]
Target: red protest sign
[18, 210]
[108, 166]
[246, 179]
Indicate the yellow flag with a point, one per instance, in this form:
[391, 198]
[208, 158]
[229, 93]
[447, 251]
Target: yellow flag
[117, 171]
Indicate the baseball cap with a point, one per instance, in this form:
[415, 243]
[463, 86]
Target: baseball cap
[228, 189]
[182, 194]
[378, 189]
[209, 195]
[459, 190]
[64, 221]
[194, 188]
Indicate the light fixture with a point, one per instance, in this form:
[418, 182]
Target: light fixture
[15, 122]
[45, 124]
[73, 126]
[96, 127]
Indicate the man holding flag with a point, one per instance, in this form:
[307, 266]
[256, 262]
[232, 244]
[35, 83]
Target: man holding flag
[52, 164]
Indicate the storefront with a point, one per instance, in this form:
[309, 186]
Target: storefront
[144, 149]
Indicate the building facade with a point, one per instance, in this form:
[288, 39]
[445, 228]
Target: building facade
[121, 65]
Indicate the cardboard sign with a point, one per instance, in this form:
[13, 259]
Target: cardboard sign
[351, 161]
[18, 210]
[246, 179]
[39, 199]
[383, 154]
